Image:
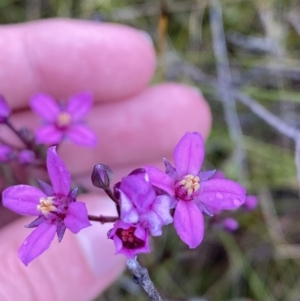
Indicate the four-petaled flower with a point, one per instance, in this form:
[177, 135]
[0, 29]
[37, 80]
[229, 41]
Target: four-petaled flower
[139, 203]
[193, 191]
[129, 239]
[64, 121]
[55, 206]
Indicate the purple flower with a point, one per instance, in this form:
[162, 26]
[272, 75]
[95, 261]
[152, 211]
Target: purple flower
[6, 153]
[5, 110]
[55, 207]
[64, 121]
[194, 191]
[129, 239]
[140, 204]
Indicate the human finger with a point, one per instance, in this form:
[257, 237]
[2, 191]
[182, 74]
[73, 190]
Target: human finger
[62, 57]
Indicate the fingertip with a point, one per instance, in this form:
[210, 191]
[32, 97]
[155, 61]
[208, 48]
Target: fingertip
[61, 57]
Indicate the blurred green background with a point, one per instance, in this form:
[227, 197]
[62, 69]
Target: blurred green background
[261, 260]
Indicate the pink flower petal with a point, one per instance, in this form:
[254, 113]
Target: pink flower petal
[48, 134]
[189, 223]
[221, 194]
[82, 135]
[189, 154]
[138, 189]
[37, 242]
[58, 173]
[151, 221]
[161, 206]
[79, 105]
[45, 106]
[160, 179]
[22, 199]
[128, 211]
[77, 217]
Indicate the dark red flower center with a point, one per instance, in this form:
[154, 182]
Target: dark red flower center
[129, 240]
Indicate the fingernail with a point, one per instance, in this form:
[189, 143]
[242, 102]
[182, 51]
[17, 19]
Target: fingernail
[147, 36]
[98, 250]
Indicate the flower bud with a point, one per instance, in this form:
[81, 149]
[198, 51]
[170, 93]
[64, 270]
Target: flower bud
[26, 156]
[4, 110]
[230, 224]
[101, 176]
[250, 202]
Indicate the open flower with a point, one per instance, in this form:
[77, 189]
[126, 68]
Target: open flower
[129, 239]
[140, 204]
[194, 191]
[64, 121]
[55, 207]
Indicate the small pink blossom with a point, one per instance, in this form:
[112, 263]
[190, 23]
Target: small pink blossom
[193, 191]
[55, 206]
[139, 203]
[65, 121]
[129, 239]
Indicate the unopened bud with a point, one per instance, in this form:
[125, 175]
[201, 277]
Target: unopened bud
[250, 202]
[101, 176]
[4, 110]
[230, 224]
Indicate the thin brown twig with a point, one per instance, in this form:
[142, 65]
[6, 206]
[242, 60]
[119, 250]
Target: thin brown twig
[103, 219]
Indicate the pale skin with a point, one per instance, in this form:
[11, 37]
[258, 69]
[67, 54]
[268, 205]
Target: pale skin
[136, 125]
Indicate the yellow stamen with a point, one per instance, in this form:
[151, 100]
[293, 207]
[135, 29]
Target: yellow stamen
[46, 205]
[190, 183]
[63, 119]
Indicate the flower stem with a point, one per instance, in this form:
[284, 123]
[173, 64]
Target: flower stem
[103, 219]
[16, 132]
[142, 278]
[109, 192]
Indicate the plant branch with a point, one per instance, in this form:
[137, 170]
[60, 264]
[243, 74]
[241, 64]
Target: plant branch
[142, 278]
[103, 219]
[224, 83]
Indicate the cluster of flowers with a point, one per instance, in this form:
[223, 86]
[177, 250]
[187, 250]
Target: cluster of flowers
[146, 199]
